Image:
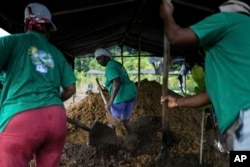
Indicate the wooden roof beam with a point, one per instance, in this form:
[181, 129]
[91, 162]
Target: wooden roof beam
[75, 10]
[189, 4]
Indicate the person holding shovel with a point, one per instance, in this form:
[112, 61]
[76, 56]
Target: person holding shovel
[226, 38]
[32, 115]
[123, 91]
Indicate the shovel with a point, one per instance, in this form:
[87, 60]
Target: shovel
[163, 159]
[114, 120]
[99, 133]
[110, 118]
[101, 92]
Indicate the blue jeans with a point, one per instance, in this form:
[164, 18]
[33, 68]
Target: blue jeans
[242, 139]
[238, 135]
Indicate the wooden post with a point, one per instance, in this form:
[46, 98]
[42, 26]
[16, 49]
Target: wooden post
[202, 135]
[163, 158]
[122, 54]
[165, 87]
[139, 59]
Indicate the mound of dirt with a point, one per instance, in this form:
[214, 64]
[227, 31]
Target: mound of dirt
[141, 147]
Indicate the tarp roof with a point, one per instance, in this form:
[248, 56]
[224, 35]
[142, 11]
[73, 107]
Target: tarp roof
[84, 25]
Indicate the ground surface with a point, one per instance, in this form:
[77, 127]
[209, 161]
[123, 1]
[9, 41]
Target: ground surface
[141, 147]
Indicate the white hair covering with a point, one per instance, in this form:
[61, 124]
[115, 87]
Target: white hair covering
[235, 6]
[102, 52]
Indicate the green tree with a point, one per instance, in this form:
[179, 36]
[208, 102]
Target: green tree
[78, 65]
[82, 64]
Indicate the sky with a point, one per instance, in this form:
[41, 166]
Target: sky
[3, 32]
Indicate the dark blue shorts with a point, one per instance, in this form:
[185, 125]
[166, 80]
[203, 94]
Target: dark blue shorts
[123, 110]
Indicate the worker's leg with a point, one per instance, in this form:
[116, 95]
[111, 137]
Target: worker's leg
[12, 150]
[237, 135]
[180, 78]
[49, 154]
[115, 115]
[19, 139]
[122, 111]
[116, 110]
[127, 112]
[26, 133]
[242, 134]
[128, 108]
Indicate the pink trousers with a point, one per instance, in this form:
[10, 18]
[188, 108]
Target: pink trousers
[38, 133]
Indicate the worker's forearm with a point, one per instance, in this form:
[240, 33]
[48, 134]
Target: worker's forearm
[194, 101]
[114, 93]
[66, 93]
[171, 28]
[115, 88]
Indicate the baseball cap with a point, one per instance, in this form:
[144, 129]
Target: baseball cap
[235, 6]
[102, 52]
[39, 13]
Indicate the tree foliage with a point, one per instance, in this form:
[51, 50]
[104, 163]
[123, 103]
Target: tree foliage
[82, 64]
[130, 60]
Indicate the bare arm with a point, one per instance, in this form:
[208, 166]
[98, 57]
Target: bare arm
[176, 34]
[194, 101]
[67, 92]
[115, 88]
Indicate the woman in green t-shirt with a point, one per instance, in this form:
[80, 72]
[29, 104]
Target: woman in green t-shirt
[123, 91]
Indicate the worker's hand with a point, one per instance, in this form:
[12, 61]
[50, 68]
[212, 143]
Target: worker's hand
[108, 105]
[67, 92]
[166, 8]
[101, 88]
[171, 100]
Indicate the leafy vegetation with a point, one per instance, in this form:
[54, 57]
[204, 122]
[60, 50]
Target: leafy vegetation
[148, 68]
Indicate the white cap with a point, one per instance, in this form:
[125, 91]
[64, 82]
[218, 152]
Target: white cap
[40, 13]
[235, 6]
[102, 52]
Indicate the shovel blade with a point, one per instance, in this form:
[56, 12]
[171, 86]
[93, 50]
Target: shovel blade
[102, 134]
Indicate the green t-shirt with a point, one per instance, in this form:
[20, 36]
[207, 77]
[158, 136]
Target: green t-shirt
[227, 63]
[127, 89]
[1, 83]
[34, 73]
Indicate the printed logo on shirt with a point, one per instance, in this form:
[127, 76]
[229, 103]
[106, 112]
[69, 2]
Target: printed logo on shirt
[42, 60]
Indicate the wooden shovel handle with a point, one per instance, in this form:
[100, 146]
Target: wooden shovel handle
[103, 97]
[78, 124]
[101, 92]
